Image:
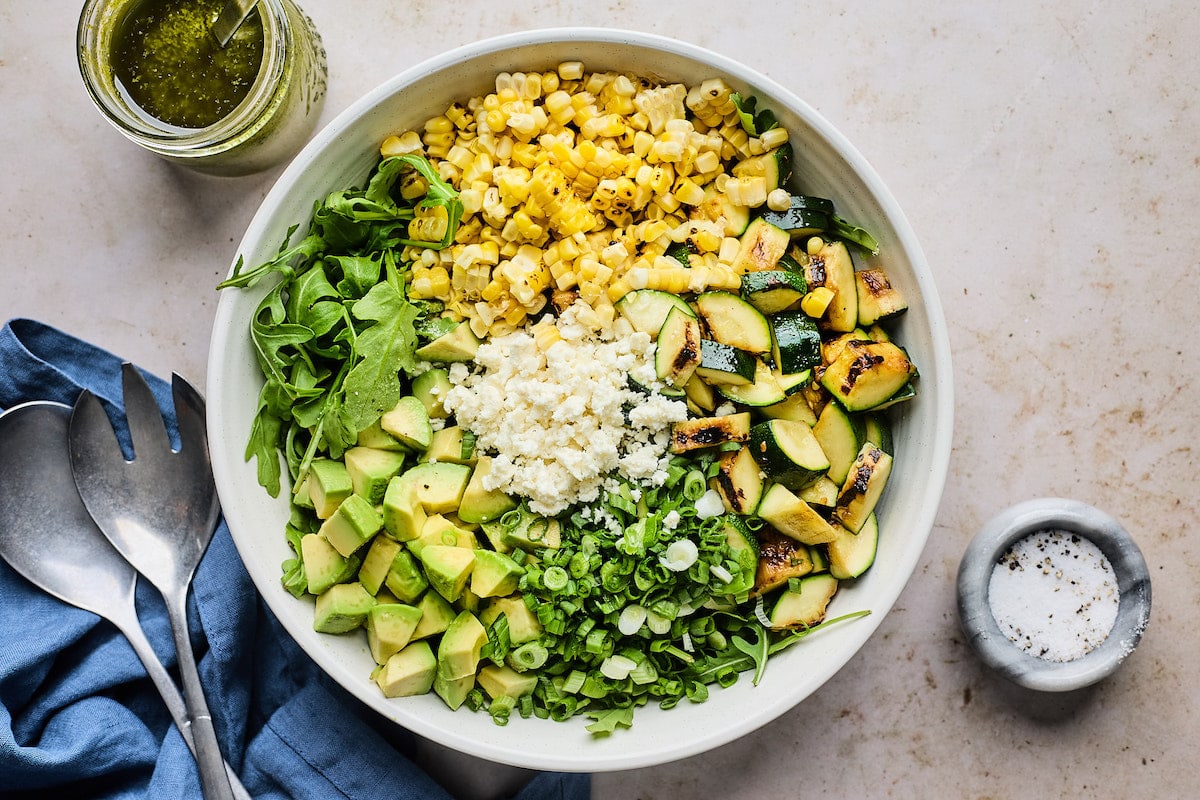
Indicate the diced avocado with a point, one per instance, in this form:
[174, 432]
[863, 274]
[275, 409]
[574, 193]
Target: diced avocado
[430, 388]
[440, 486]
[448, 445]
[371, 469]
[523, 625]
[323, 565]
[480, 504]
[377, 563]
[408, 421]
[328, 485]
[494, 574]
[376, 437]
[458, 652]
[494, 532]
[506, 681]
[404, 577]
[403, 514]
[447, 568]
[453, 691]
[458, 344]
[390, 628]
[440, 530]
[352, 525]
[436, 615]
[300, 496]
[342, 607]
[409, 672]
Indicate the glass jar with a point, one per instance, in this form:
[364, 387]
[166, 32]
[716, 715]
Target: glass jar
[268, 125]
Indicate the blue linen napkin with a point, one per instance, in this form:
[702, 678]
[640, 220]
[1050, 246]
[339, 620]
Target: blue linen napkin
[79, 717]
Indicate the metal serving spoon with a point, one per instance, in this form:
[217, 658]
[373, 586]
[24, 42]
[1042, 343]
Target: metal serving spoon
[47, 536]
[233, 14]
[159, 511]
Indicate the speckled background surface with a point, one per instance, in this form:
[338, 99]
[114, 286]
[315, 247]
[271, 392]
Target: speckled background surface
[1047, 156]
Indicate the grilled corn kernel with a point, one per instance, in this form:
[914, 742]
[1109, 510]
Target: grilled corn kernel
[816, 302]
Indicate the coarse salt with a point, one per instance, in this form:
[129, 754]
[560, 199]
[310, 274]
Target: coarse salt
[1053, 593]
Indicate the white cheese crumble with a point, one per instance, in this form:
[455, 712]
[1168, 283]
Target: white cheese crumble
[555, 421]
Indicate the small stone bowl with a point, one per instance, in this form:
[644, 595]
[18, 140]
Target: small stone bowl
[997, 650]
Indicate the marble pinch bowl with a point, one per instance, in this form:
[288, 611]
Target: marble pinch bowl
[1001, 654]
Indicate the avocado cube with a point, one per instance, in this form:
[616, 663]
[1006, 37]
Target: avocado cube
[440, 530]
[404, 578]
[447, 568]
[453, 691]
[377, 563]
[494, 532]
[447, 446]
[370, 471]
[430, 387]
[461, 646]
[328, 485]
[374, 436]
[342, 607]
[458, 344]
[390, 628]
[352, 525]
[408, 421]
[523, 625]
[409, 672]
[440, 486]
[436, 615]
[480, 504]
[300, 496]
[505, 681]
[323, 565]
[403, 514]
[494, 574]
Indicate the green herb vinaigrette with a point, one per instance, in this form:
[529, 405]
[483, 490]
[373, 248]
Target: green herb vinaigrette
[171, 67]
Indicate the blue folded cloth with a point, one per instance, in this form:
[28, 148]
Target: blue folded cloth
[78, 716]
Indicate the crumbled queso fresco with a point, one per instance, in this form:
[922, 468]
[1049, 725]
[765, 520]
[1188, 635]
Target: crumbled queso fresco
[558, 422]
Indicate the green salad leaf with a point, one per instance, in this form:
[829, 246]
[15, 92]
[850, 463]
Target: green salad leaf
[336, 332]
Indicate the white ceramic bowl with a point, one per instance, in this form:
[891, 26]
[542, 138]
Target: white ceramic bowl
[826, 164]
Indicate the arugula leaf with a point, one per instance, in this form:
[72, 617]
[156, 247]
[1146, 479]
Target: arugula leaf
[745, 112]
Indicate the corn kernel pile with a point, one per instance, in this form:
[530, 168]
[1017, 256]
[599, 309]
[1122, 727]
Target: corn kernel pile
[578, 183]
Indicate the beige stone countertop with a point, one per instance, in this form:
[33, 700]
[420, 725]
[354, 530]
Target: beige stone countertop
[1048, 157]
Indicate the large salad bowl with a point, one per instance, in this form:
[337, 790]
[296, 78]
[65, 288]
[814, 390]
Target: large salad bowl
[826, 164]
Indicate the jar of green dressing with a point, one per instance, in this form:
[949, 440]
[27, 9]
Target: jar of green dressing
[158, 75]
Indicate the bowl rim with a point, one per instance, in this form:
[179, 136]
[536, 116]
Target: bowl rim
[1012, 525]
[938, 394]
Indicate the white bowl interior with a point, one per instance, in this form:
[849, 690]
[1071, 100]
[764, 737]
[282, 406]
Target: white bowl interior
[826, 164]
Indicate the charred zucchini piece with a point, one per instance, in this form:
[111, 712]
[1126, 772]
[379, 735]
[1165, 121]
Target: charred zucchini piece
[793, 517]
[805, 606]
[779, 558]
[692, 434]
[877, 298]
[775, 167]
[852, 554]
[773, 290]
[822, 492]
[841, 435]
[866, 374]
[795, 407]
[677, 353]
[739, 481]
[764, 391]
[647, 309]
[877, 430]
[722, 364]
[743, 546]
[789, 452]
[864, 484]
[832, 268]
[733, 321]
[761, 247]
[698, 391]
[796, 342]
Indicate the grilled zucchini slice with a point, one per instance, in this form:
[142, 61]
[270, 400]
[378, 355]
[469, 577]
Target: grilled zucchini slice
[877, 298]
[864, 484]
[789, 452]
[866, 374]
[692, 434]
